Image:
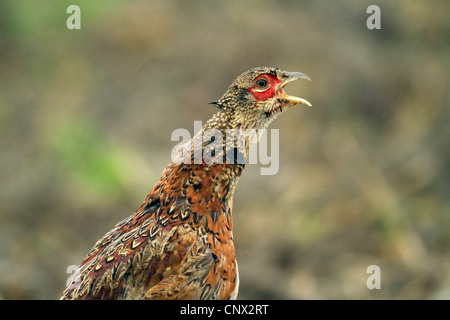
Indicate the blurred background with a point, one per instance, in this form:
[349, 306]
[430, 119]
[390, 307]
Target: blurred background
[86, 118]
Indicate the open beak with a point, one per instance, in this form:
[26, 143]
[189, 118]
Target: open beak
[289, 77]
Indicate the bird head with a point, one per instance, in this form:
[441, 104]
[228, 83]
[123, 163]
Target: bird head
[257, 97]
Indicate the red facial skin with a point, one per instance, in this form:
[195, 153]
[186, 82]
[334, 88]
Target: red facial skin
[273, 83]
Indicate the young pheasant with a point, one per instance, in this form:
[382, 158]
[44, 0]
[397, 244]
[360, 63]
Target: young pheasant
[179, 243]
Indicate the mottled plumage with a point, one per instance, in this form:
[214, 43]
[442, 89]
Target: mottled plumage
[179, 243]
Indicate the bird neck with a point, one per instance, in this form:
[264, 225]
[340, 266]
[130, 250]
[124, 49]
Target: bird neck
[198, 186]
[225, 138]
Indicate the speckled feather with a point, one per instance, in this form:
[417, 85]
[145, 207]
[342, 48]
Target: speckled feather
[179, 243]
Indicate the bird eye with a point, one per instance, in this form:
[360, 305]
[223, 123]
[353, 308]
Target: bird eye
[261, 83]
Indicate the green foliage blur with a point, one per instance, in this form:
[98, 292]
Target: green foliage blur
[86, 118]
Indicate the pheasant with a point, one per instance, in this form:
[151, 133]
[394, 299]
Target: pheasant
[179, 243]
